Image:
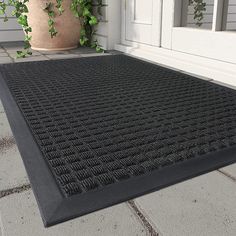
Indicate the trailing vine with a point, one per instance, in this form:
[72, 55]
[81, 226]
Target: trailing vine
[199, 7]
[82, 9]
[49, 8]
[20, 13]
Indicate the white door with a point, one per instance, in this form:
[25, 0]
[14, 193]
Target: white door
[142, 21]
[212, 35]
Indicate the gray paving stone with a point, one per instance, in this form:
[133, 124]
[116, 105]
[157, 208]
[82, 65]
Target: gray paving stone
[54, 52]
[83, 50]
[202, 206]
[31, 58]
[1, 234]
[20, 217]
[12, 50]
[1, 108]
[95, 54]
[4, 124]
[62, 56]
[12, 171]
[3, 54]
[13, 53]
[231, 170]
[4, 60]
[5, 130]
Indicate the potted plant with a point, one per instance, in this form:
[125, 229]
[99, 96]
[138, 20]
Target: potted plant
[54, 24]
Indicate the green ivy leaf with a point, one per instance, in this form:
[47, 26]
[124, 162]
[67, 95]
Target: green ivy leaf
[22, 20]
[93, 20]
[86, 12]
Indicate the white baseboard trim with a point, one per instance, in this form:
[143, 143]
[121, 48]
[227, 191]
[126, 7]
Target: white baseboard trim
[205, 68]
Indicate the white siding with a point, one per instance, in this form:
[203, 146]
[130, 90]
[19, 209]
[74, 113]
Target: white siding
[101, 31]
[10, 30]
[231, 19]
[108, 30]
[208, 16]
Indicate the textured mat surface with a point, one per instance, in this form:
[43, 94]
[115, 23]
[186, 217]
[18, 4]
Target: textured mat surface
[107, 129]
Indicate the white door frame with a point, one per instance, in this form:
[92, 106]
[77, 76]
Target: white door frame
[215, 44]
[202, 66]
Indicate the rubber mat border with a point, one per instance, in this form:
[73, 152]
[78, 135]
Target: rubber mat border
[55, 208]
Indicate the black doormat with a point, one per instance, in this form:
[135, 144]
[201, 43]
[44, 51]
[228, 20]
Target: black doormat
[94, 132]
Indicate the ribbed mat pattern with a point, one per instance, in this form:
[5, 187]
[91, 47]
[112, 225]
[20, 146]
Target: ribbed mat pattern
[103, 120]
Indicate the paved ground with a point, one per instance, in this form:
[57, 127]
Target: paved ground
[201, 206]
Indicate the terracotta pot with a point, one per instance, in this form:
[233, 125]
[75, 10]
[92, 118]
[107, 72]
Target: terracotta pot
[67, 25]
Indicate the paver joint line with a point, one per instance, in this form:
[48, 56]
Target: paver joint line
[227, 175]
[143, 219]
[19, 189]
[6, 143]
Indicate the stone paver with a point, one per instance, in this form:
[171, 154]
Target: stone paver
[62, 56]
[13, 53]
[4, 127]
[3, 54]
[231, 170]
[94, 54]
[12, 170]
[20, 217]
[201, 206]
[4, 124]
[82, 50]
[54, 52]
[1, 234]
[13, 50]
[1, 108]
[31, 58]
[4, 60]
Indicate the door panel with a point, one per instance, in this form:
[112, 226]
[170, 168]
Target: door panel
[143, 21]
[142, 12]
